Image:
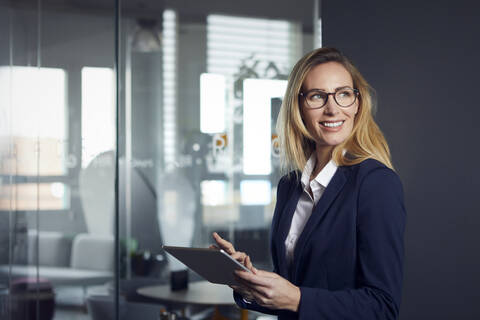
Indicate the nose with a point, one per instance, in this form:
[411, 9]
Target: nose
[331, 107]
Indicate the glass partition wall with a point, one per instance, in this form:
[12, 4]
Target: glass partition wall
[175, 143]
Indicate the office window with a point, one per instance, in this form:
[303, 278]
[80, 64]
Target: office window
[98, 112]
[257, 97]
[212, 103]
[231, 40]
[33, 101]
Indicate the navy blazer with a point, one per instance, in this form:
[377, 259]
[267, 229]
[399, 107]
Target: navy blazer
[348, 261]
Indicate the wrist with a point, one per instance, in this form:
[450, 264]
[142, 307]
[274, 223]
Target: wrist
[295, 301]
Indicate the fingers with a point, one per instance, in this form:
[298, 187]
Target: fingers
[224, 244]
[253, 292]
[249, 265]
[251, 279]
[214, 247]
[263, 295]
[263, 298]
[266, 274]
[239, 256]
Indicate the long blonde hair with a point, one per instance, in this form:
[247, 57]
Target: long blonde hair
[366, 140]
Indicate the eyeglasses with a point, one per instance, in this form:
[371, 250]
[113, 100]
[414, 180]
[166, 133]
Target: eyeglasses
[316, 98]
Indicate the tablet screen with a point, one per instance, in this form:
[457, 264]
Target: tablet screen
[214, 265]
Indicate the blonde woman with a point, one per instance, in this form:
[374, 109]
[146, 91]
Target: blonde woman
[338, 226]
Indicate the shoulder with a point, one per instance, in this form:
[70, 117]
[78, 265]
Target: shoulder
[288, 181]
[292, 177]
[372, 173]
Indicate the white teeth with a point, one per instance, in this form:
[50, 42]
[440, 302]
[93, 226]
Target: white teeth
[332, 124]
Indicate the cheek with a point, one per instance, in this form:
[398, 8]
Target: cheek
[308, 119]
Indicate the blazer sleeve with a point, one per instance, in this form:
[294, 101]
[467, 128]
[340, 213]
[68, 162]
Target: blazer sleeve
[381, 219]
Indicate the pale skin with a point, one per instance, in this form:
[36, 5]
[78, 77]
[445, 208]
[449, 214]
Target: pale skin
[269, 289]
[328, 77]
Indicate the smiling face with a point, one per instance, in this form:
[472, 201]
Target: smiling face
[331, 124]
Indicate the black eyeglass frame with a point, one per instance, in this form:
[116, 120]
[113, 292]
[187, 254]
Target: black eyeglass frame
[305, 94]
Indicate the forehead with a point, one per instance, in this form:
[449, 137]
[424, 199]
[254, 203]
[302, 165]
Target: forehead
[327, 76]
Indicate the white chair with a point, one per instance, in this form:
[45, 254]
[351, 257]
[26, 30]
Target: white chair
[93, 252]
[91, 260]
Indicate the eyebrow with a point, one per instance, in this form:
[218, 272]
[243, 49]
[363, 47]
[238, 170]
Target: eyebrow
[336, 89]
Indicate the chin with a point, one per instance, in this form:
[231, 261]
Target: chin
[329, 142]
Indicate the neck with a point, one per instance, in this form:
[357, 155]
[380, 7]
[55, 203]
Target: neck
[323, 154]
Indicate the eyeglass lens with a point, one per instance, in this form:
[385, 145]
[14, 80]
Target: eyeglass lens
[344, 97]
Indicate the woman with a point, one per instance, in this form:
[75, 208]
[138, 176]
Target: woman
[337, 230]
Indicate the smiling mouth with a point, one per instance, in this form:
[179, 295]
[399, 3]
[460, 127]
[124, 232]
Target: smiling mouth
[330, 124]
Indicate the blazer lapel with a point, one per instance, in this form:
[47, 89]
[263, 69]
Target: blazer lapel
[284, 225]
[329, 195]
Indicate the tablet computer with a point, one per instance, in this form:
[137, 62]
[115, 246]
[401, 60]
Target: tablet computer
[212, 264]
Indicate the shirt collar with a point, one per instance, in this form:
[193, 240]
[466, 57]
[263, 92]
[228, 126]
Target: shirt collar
[323, 177]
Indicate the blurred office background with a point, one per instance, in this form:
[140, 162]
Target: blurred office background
[126, 125]
[154, 126]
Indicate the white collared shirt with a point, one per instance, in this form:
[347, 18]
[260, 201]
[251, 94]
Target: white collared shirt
[306, 203]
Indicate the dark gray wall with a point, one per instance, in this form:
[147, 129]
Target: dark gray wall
[422, 58]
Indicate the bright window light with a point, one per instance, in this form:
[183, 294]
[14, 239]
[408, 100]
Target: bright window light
[212, 103]
[38, 101]
[255, 192]
[98, 112]
[214, 192]
[169, 61]
[257, 135]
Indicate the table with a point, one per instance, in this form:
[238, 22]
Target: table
[58, 275]
[202, 293]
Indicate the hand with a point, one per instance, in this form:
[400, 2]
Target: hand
[270, 290]
[226, 246]
[241, 257]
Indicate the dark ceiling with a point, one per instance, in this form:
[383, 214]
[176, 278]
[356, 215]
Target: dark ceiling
[300, 10]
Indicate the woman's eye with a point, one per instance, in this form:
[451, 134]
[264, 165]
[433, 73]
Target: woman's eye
[316, 96]
[344, 94]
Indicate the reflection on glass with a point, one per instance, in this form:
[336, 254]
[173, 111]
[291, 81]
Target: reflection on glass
[188, 158]
[33, 196]
[169, 65]
[97, 194]
[176, 210]
[44, 102]
[214, 192]
[257, 96]
[37, 147]
[255, 192]
[29, 115]
[49, 258]
[98, 112]
[232, 39]
[212, 103]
